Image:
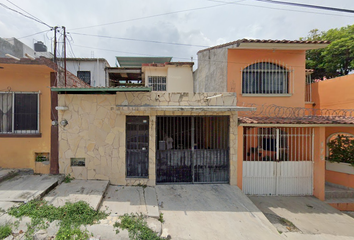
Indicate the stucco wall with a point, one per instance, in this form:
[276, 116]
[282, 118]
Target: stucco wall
[238, 59]
[336, 93]
[178, 78]
[96, 131]
[19, 152]
[98, 75]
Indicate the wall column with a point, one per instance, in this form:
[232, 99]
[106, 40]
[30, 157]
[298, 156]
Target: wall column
[152, 151]
[239, 156]
[233, 149]
[319, 167]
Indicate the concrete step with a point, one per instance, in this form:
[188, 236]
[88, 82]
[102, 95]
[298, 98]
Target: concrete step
[6, 173]
[90, 191]
[342, 204]
[333, 192]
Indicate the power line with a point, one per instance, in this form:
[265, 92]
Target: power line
[152, 16]
[140, 40]
[32, 18]
[308, 6]
[45, 31]
[24, 10]
[283, 9]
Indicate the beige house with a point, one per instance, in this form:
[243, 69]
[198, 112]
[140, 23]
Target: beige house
[143, 131]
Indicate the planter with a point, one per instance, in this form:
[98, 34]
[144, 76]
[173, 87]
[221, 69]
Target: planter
[340, 167]
[42, 167]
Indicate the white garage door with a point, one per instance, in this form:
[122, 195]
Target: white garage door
[278, 161]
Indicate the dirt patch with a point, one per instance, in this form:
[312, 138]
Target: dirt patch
[281, 224]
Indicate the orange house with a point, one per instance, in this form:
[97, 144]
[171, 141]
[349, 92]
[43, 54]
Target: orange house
[282, 144]
[28, 131]
[336, 94]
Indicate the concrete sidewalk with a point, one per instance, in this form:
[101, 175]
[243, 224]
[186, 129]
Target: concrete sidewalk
[90, 191]
[24, 188]
[211, 211]
[311, 216]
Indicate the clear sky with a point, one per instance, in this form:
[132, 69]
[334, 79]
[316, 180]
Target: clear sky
[153, 27]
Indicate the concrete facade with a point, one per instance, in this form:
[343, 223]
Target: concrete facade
[96, 66]
[96, 130]
[179, 78]
[18, 49]
[211, 75]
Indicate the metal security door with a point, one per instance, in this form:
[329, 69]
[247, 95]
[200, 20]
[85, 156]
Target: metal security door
[137, 142]
[192, 149]
[278, 161]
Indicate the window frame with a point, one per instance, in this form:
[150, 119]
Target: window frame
[22, 132]
[84, 71]
[157, 84]
[264, 72]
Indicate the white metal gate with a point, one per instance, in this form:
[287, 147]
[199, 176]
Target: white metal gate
[278, 161]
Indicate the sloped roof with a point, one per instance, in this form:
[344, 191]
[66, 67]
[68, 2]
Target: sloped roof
[71, 79]
[269, 42]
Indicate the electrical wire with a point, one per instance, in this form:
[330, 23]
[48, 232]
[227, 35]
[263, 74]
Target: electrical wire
[46, 31]
[32, 18]
[153, 16]
[24, 10]
[139, 40]
[283, 9]
[308, 6]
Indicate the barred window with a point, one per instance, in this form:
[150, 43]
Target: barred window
[265, 78]
[84, 76]
[157, 83]
[19, 113]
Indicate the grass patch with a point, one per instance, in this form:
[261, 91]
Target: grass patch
[137, 227]
[71, 216]
[5, 230]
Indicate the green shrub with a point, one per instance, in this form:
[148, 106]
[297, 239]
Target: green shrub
[341, 149]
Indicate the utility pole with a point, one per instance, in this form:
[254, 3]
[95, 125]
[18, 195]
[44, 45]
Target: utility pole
[55, 44]
[64, 53]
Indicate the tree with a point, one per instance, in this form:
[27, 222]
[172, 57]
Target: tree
[337, 59]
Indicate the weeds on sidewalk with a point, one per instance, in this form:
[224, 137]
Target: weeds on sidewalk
[71, 216]
[137, 227]
[68, 178]
[5, 230]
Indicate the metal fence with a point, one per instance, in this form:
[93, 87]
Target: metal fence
[137, 146]
[278, 144]
[192, 149]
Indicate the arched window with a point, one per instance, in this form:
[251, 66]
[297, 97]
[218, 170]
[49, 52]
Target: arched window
[340, 147]
[265, 78]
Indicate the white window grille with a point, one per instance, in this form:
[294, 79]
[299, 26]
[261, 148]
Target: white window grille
[19, 112]
[267, 77]
[157, 83]
[278, 144]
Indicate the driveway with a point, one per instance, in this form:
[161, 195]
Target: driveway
[312, 218]
[211, 212]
